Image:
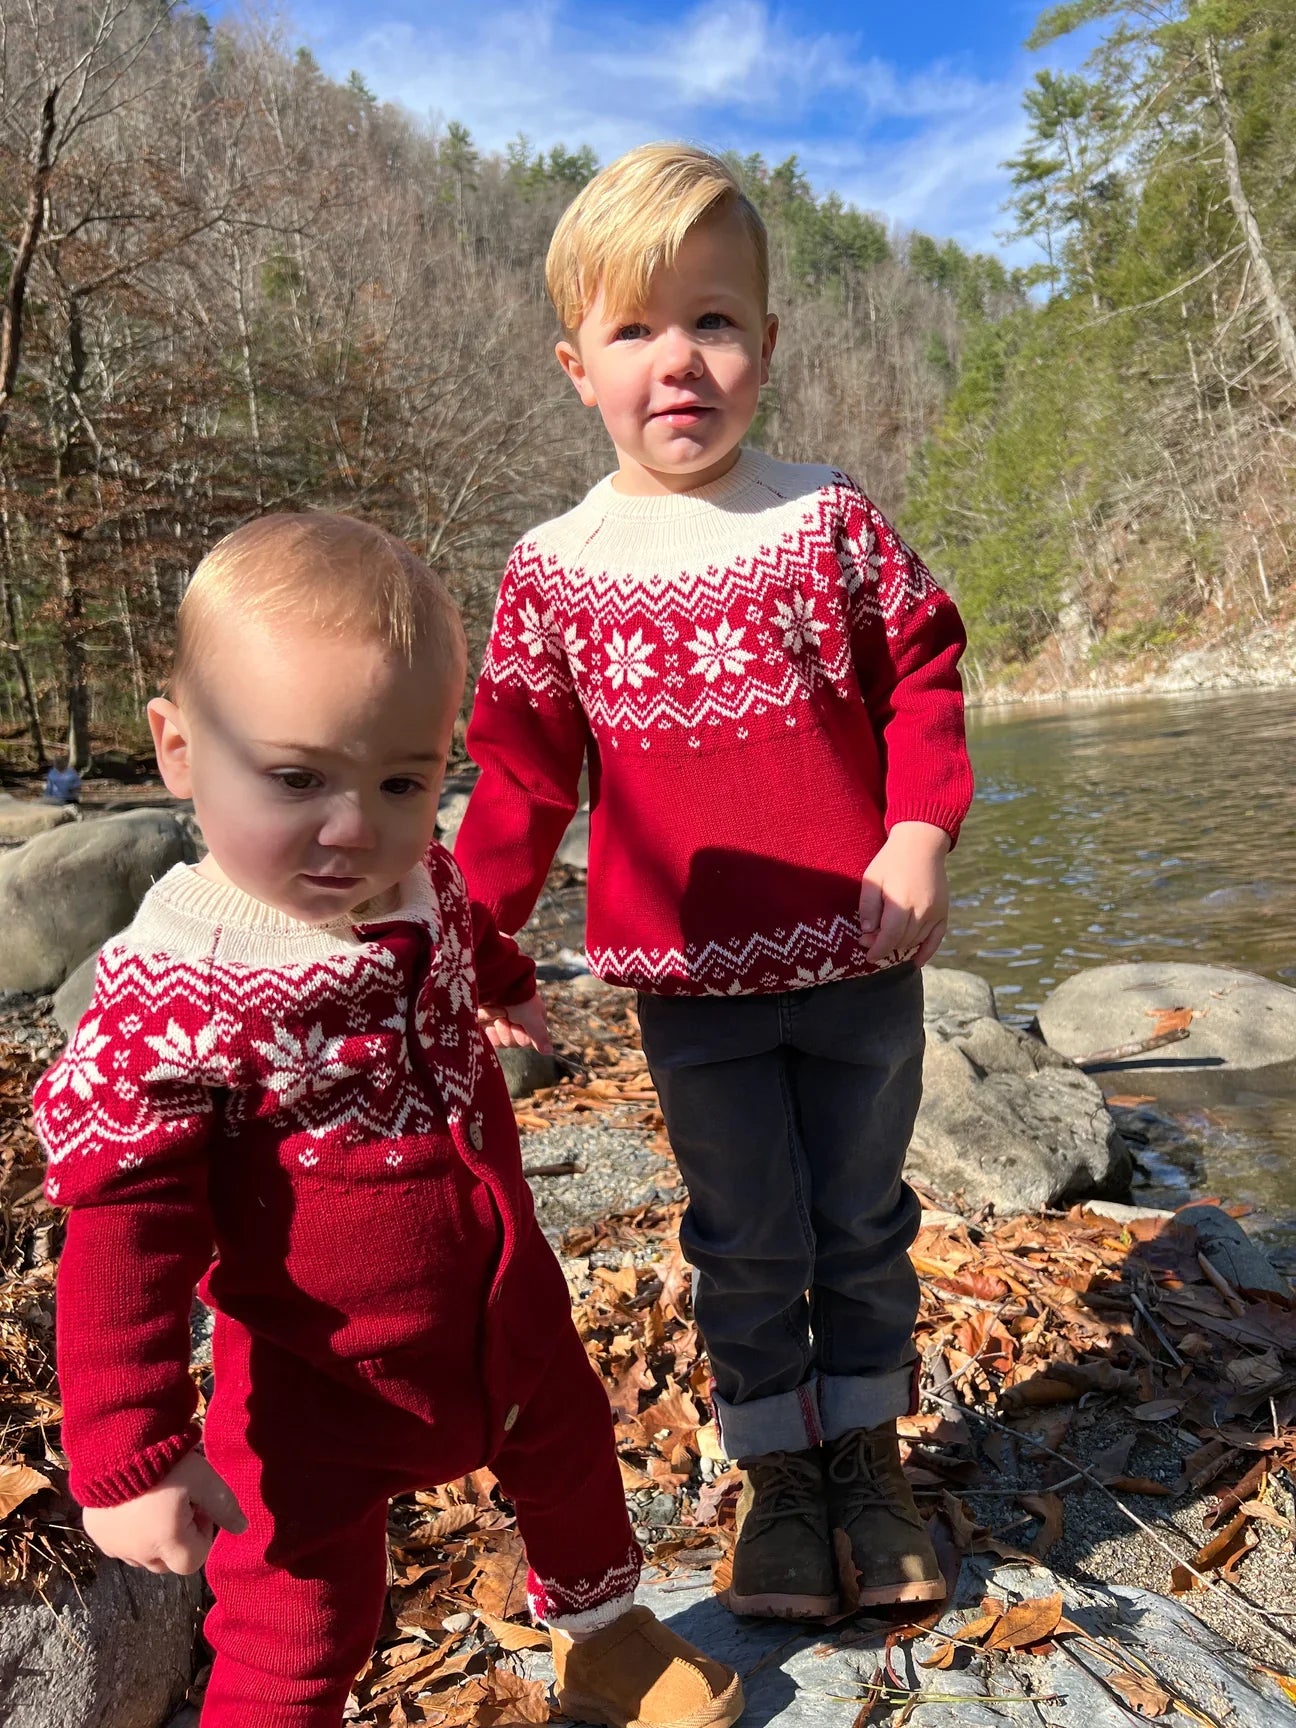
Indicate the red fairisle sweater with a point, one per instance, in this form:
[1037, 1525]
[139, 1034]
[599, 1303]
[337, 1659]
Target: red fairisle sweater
[764, 680]
[317, 1105]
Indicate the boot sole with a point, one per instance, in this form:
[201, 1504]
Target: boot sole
[771, 1606]
[721, 1713]
[925, 1590]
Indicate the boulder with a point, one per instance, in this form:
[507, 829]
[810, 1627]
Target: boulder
[64, 894]
[574, 848]
[1243, 1028]
[114, 1652]
[72, 997]
[22, 821]
[1005, 1121]
[527, 1071]
[450, 814]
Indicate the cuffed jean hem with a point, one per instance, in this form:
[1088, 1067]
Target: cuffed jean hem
[848, 1401]
[784, 1422]
[824, 1408]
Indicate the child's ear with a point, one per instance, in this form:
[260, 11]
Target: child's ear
[171, 745]
[767, 346]
[572, 364]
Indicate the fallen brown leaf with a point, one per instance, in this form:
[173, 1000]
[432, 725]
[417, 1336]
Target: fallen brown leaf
[1144, 1697]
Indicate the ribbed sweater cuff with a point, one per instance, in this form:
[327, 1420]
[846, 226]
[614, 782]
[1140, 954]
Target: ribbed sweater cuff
[145, 1471]
[933, 810]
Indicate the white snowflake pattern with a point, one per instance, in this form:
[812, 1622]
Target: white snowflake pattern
[719, 650]
[183, 1057]
[796, 619]
[78, 1069]
[539, 632]
[628, 660]
[301, 1067]
[855, 576]
[456, 971]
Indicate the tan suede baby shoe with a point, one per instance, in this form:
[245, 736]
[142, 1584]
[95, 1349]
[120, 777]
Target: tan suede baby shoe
[637, 1673]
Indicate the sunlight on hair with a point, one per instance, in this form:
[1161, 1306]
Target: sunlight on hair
[630, 222]
[321, 572]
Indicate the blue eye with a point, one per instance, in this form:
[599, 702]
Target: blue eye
[713, 321]
[631, 332]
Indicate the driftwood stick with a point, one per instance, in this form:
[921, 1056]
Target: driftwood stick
[1139, 1047]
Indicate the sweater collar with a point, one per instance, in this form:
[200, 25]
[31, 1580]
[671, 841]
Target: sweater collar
[746, 487]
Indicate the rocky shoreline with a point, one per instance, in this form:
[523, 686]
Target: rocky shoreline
[1250, 657]
[1021, 1289]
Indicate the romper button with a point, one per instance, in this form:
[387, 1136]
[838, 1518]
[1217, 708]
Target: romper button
[511, 1418]
[475, 1137]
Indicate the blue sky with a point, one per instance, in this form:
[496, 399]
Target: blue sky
[903, 108]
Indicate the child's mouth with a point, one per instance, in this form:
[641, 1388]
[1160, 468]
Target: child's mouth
[335, 882]
[683, 416]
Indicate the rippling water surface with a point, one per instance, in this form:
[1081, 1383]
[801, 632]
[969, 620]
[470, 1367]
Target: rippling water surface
[1160, 828]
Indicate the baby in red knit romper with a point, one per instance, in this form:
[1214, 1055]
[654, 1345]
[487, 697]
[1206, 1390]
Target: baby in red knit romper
[284, 1066]
[762, 680]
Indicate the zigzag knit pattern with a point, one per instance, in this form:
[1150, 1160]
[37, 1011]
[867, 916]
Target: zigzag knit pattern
[763, 679]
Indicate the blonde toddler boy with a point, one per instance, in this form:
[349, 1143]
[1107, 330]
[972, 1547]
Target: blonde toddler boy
[762, 679]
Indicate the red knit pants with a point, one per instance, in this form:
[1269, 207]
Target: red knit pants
[313, 1462]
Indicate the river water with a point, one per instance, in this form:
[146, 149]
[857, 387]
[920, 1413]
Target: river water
[1151, 828]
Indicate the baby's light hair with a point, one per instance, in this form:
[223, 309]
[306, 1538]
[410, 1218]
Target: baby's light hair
[326, 573]
[630, 222]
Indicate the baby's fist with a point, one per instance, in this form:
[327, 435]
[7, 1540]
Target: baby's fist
[170, 1528]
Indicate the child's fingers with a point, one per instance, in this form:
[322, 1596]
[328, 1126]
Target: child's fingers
[871, 899]
[210, 1493]
[930, 943]
[894, 935]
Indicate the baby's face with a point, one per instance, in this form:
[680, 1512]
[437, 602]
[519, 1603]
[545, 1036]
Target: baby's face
[315, 764]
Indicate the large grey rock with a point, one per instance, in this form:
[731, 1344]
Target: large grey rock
[527, 1071]
[450, 815]
[952, 1000]
[23, 821]
[1007, 1122]
[818, 1679]
[64, 894]
[1243, 1026]
[574, 848]
[72, 997]
[117, 1653]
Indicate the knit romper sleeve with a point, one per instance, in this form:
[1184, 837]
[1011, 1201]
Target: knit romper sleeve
[125, 1116]
[906, 642]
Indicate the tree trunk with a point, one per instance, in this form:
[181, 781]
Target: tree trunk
[1276, 312]
[68, 537]
[12, 316]
[15, 643]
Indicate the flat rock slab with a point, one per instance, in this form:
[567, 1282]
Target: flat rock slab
[819, 1679]
[1243, 1027]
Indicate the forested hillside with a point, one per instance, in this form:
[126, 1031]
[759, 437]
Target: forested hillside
[1116, 468]
[235, 285]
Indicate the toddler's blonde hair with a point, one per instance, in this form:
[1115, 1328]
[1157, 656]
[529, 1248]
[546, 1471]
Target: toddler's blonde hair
[326, 573]
[630, 221]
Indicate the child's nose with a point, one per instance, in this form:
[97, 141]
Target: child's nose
[348, 825]
[680, 355]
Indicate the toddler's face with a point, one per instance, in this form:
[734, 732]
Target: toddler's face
[315, 764]
[677, 383]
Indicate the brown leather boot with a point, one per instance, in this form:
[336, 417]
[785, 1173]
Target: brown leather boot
[637, 1673]
[783, 1561]
[870, 1500]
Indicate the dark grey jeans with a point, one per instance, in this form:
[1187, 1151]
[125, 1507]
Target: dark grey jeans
[790, 1116]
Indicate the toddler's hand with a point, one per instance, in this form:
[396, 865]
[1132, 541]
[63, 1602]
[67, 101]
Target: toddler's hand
[172, 1527]
[904, 899]
[523, 1025]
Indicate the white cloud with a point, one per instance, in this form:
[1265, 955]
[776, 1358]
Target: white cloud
[922, 148]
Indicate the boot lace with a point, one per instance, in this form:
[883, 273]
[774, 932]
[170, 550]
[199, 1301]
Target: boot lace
[785, 1485]
[859, 1464]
